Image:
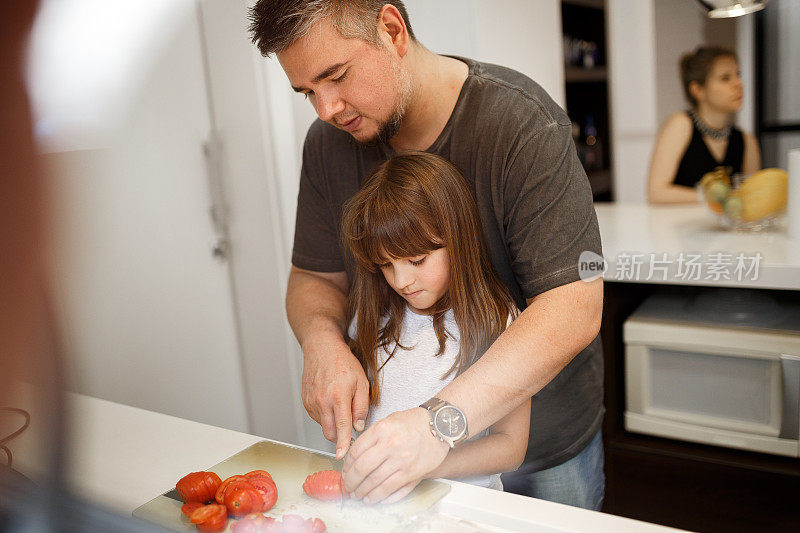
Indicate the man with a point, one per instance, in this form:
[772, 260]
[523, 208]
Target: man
[378, 91]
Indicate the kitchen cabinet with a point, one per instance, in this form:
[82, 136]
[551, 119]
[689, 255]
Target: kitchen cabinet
[681, 484]
[586, 82]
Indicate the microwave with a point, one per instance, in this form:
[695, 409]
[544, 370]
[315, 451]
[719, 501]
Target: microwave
[718, 368]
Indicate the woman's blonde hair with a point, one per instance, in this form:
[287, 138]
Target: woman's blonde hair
[415, 203]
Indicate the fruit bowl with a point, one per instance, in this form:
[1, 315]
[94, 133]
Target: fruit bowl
[754, 203]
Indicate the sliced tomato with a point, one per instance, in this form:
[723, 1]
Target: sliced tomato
[219, 496]
[325, 485]
[189, 507]
[213, 517]
[213, 526]
[263, 473]
[271, 526]
[241, 500]
[293, 523]
[238, 484]
[269, 491]
[198, 487]
[251, 523]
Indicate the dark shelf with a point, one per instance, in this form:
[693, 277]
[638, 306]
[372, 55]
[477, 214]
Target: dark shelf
[586, 89]
[600, 181]
[584, 75]
[594, 4]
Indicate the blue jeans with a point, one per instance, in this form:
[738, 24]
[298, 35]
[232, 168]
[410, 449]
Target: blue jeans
[579, 482]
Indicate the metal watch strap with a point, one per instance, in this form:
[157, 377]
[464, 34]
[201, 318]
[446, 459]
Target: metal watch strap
[432, 406]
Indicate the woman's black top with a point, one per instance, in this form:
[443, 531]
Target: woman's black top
[697, 159]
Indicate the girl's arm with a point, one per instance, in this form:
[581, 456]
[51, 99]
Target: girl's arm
[752, 155]
[673, 139]
[502, 450]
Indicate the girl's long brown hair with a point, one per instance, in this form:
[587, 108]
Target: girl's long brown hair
[413, 204]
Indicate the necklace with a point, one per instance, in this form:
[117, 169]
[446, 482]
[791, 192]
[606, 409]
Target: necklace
[705, 129]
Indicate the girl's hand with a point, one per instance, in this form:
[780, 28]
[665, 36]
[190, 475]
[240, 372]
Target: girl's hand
[390, 458]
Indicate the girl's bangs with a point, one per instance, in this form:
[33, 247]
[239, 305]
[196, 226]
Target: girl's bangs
[394, 235]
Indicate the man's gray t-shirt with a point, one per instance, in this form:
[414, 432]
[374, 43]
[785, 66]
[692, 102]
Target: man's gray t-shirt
[514, 146]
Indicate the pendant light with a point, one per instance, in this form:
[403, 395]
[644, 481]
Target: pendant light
[731, 8]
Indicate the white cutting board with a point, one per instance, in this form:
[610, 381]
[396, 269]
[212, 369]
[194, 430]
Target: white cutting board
[289, 466]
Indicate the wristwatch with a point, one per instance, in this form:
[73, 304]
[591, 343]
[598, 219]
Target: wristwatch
[448, 423]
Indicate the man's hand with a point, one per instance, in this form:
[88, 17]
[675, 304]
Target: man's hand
[392, 457]
[335, 388]
[335, 391]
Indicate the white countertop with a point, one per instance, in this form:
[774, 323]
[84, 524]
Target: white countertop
[122, 457]
[636, 234]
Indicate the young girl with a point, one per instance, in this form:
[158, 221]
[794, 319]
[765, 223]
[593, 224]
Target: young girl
[426, 302]
[696, 141]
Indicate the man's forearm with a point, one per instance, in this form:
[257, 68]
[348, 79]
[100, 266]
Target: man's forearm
[315, 305]
[554, 328]
[335, 390]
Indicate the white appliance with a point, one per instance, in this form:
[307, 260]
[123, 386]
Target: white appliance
[721, 367]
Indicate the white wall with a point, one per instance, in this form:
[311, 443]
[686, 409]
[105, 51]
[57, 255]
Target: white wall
[681, 26]
[521, 34]
[146, 310]
[260, 181]
[632, 74]
[746, 50]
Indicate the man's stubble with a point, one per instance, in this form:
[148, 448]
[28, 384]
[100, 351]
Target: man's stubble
[389, 127]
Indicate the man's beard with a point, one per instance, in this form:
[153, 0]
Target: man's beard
[389, 128]
[386, 130]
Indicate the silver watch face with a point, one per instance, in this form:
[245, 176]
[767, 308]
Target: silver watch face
[450, 422]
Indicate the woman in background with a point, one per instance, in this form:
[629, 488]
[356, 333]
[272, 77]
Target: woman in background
[696, 141]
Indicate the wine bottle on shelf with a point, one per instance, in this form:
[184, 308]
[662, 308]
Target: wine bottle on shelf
[592, 145]
[579, 144]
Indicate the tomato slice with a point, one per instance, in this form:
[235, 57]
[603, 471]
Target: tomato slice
[241, 500]
[263, 473]
[294, 523]
[198, 486]
[189, 507]
[213, 526]
[219, 496]
[252, 523]
[209, 516]
[271, 526]
[325, 485]
[269, 491]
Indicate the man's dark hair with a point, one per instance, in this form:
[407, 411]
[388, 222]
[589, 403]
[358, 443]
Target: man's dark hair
[276, 24]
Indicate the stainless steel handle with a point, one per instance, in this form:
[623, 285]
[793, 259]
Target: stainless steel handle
[790, 419]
